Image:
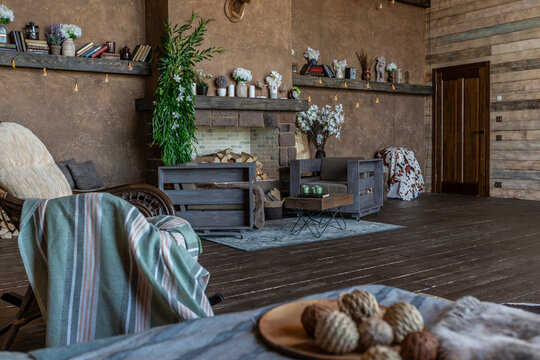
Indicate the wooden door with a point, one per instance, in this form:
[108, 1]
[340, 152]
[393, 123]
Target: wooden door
[461, 129]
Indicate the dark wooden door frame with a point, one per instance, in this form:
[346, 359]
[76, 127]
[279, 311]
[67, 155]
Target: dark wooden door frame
[436, 178]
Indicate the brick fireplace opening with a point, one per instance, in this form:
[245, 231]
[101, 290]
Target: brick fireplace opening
[259, 142]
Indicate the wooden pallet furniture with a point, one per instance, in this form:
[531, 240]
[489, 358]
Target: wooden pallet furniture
[361, 178]
[216, 199]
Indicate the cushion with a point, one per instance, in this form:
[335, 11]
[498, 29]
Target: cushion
[27, 169]
[332, 187]
[335, 168]
[85, 175]
[62, 165]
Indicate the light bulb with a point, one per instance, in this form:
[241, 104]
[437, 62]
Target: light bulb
[130, 67]
[320, 81]
[379, 7]
[45, 72]
[377, 100]
[367, 85]
[107, 78]
[309, 98]
[335, 97]
[13, 63]
[76, 88]
[357, 104]
[346, 84]
[393, 87]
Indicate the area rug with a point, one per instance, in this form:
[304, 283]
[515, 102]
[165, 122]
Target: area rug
[277, 233]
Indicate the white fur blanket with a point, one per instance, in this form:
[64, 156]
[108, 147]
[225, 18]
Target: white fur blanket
[472, 329]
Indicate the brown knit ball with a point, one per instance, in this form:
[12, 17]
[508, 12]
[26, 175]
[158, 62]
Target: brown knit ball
[311, 314]
[336, 333]
[381, 353]
[404, 318]
[359, 304]
[419, 345]
[373, 332]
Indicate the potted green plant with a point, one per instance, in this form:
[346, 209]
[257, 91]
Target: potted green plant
[174, 111]
[54, 39]
[200, 80]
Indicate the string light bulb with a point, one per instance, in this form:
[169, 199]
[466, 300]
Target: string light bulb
[393, 2]
[367, 85]
[320, 81]
[335, 97]
[346, 85]
[130, 67]
[379, 7]
[44, 72]
[107, 78]
[309, 98]
[377, 100]
[13, 63]
[76, 88]
[357, 104]
[393, 87]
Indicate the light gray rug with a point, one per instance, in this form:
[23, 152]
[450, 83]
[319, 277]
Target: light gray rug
[277, 233]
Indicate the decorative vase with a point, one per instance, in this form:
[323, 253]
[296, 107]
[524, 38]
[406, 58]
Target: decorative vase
[202, 90]
[55, 49]
[399, 77]
[313, 62]
[273, 92]
[366, 74]
[320, 154]
[241, 89]
[252, 91]
[68, 47]
[3, 34]
[230, 92]
[222, 91]
[390, 76]
[340, 74]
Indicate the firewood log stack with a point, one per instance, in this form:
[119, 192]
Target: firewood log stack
[228, 156]
[7, 230]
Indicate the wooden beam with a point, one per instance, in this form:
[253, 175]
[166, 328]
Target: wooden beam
[234, 103]
[359, 85]
[73, 63]
[421, 3]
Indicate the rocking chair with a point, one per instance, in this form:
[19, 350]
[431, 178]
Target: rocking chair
[24, 150]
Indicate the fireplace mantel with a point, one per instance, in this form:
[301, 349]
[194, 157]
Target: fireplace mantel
[230, 103]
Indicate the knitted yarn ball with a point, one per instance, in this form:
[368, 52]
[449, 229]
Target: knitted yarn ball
[312, 314]
[404, 318]
[419, 345]
[336, 333]
[359, 304]
[373, 332]
[381, 353]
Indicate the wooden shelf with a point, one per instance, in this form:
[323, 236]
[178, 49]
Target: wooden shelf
[72, 63]
[234, 103]
[359, 85]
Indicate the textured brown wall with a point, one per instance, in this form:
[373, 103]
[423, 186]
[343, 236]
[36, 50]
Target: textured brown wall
[338, 28]
[98, 122]
[260, 42]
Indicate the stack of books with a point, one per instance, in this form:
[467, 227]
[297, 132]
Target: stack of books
[8, 47]
[90, 50]
[141, 53]
[107, 55]
[37, 46]
[18, 39]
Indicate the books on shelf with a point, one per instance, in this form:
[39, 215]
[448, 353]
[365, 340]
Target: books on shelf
[141, 53]
[18, 40]
[84, 48]
[110, 56]
[99, 51]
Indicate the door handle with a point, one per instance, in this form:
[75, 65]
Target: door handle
[481, 132]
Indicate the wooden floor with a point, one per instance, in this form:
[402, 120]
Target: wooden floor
[453, 246]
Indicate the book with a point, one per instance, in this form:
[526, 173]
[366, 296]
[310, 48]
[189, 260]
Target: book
[21, 37]
[87, 51]
[36, 42]
[7, 49]
[316, 70]
[142, 52]
[8, 46]
[136, 52]
[146, 54]
[328, 72]
[40, 48]
[99, 51]
[15, 39]
[84, 48]
[109, 55]
[90, 53]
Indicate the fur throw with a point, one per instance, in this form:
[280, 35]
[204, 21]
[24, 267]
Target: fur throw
[480, 330]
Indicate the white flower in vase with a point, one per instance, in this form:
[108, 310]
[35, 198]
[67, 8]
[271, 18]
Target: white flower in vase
[274, 81]
[340, 65]
[70, 31]
[242, 75]
[312, 54]
[6, 15]
[391, 67]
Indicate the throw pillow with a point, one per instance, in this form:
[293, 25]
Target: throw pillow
[85, 175]
[63, 165]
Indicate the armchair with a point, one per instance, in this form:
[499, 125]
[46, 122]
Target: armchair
[361, 178]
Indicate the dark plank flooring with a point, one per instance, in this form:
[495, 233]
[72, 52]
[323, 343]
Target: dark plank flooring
[453, 246]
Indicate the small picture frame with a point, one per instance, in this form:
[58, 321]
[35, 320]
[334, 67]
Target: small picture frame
[294, 68]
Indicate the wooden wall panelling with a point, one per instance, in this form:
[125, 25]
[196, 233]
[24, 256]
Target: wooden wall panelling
[506, 33]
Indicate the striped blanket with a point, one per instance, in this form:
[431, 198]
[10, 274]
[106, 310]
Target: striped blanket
[99, 268]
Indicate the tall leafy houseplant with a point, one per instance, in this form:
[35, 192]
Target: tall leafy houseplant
[174, 112]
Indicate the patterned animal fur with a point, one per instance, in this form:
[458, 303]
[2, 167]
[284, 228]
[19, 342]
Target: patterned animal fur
[472, 329]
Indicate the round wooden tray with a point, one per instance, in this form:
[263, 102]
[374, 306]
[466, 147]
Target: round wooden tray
[282, 329]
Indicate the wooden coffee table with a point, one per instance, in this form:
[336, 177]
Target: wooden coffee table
[317, 214]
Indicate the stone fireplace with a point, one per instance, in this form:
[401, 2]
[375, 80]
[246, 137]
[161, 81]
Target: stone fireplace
[262, 127]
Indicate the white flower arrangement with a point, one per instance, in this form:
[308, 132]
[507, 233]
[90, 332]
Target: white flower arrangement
[203, 75]
[320, 124]
[340, 65]
[312, 54]
[6, 15]
[391, 67]
[292, 52]
[274, 80]
[70, 31]
[242, 75]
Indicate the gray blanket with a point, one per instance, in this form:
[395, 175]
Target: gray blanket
[480, 330]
